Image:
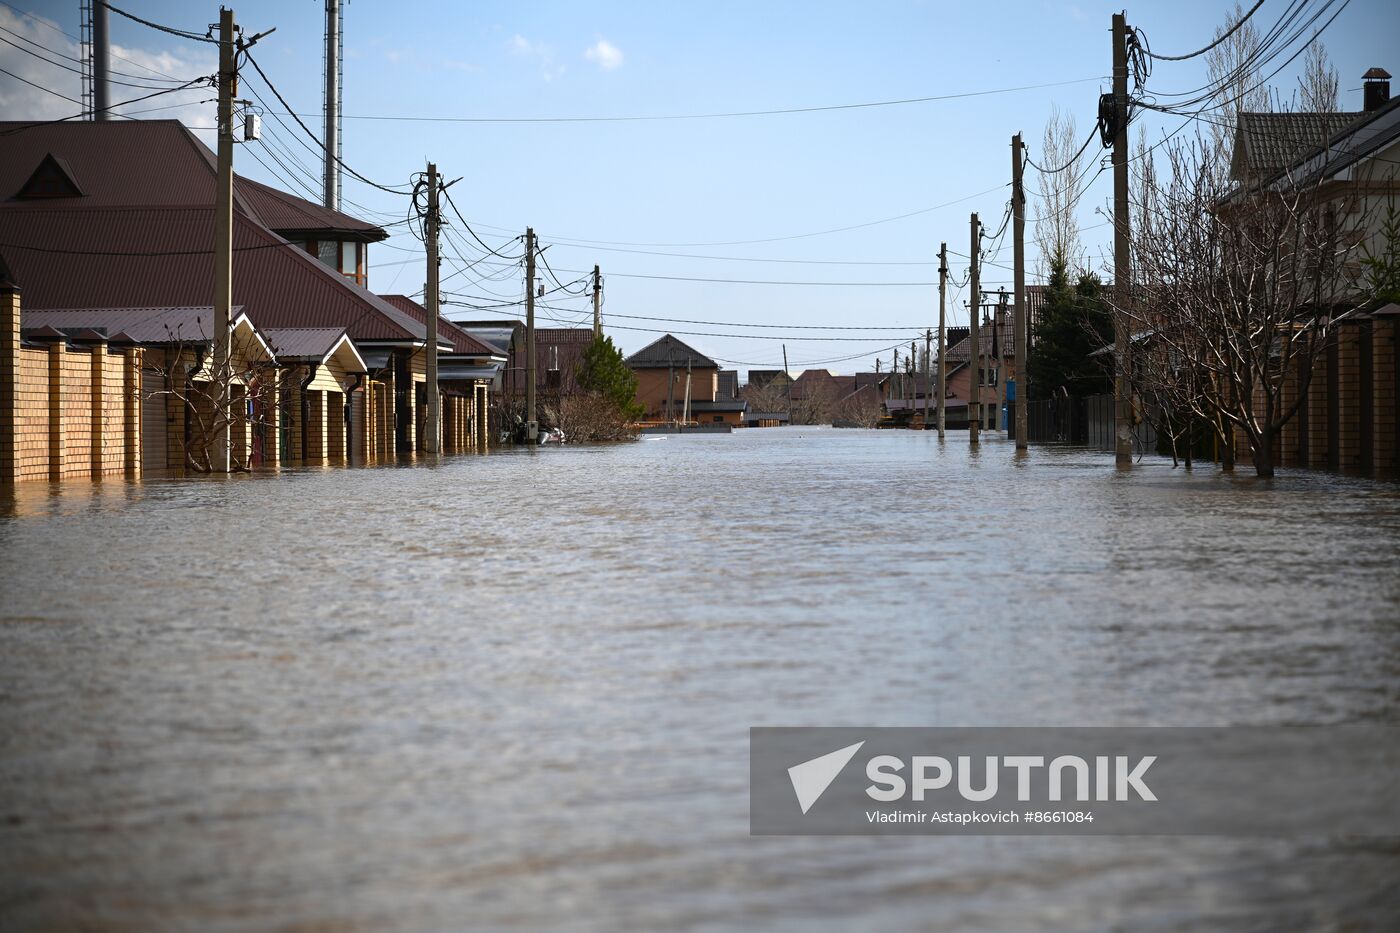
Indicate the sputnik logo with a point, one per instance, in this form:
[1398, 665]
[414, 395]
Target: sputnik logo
[810, 779]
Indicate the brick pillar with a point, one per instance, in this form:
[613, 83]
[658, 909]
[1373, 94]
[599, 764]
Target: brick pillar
[56, 439]
[9, 378]
[131, 409]
[96, 369]
[1366, 392]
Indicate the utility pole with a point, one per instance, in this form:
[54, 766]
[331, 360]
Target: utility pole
[912, 366]
[786, 371]
[999, 360]
[597, 303]
[1020, 332]
[685, 418]
[101, 63]
[670, 388]
[942, 336]
[974, 337]
[532, 427]
[928, 361]
[223, 238]
[1122, 287]
[331, 194]
[433, 429]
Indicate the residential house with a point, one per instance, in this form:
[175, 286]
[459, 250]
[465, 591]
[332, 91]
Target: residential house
[673, 379]
[115, 216]
[1348, 419]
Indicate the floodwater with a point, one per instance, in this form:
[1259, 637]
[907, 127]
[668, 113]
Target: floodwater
[514, 691]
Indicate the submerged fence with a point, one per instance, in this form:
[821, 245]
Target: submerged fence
[1086, 422]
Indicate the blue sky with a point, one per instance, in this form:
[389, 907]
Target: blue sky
[708, 181]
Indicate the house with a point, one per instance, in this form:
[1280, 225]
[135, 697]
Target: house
[558, 354]
[118, 216]
[1348, 418]
[674, 379]
[995, 366]
[466, 373]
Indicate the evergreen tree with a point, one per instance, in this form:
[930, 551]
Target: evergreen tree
[1074, 322]
[603, 373]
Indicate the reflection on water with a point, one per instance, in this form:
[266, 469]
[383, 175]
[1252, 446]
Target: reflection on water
[514, 691]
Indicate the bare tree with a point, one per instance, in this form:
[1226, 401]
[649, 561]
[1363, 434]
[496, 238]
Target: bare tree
[860, 409]
[232, 399]
[1056, 229]
[1240, 291]
[768, 396]
[1232, 67]
[1319, 84]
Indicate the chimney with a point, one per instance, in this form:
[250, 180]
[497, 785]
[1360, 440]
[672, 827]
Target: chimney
[1375, 89]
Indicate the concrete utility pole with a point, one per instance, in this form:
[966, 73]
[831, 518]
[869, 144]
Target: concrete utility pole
[331, 196]
[928, 381]
[942, 336]
[597, 302]
[1020, 331]
[974, 337]
[101, 62]
[433, 429]
[532, 427]
[223, 237]
[685, 418]
[1122, 287]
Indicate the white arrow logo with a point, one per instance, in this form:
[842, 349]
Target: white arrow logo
[811, 778]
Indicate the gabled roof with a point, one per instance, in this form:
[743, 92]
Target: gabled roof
[668, 351]
[315, 345]
[142, 234]
[448, 333]
[1268, 142]
[298, 218]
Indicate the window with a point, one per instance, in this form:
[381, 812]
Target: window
[328, 251]
[349, 254]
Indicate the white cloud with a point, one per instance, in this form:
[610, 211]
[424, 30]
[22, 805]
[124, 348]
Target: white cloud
[540, 52]
[19, 101]
[604, 54]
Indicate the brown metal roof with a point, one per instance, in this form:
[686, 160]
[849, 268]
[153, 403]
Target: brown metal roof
[142, 325]
[1268, 142]
[295, 217]
[448, 332]
[303, 343]
[142, 235]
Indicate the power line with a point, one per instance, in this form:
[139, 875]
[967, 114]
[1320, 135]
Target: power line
[182, 33]
[278, 94]
[1227, 34]
[716, 116]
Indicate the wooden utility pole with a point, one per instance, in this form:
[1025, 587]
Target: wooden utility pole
[432, 443]
[1020, 331]
[223, 239]
[974, 337]
[597, 302]
[786, 371]
[532, 427]
[942, 336]
[1122, 287]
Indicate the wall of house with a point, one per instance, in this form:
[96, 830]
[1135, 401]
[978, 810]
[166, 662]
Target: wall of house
[652, 388]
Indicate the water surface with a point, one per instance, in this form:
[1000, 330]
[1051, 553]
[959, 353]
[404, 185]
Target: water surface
[514, 691]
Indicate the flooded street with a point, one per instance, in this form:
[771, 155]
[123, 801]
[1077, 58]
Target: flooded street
[514, 691]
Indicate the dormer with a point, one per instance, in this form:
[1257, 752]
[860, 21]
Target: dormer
[52, 179]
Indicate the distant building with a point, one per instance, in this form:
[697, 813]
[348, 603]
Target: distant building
[665, 368]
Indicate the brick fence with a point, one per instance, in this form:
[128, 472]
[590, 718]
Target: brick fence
[65, 412]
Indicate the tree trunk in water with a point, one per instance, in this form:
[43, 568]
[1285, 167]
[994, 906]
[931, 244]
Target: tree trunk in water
[1263, 453]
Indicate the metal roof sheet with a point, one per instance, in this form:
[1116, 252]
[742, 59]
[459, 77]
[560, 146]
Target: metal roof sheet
[142, 234]
[142, 325]
[669, 351]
